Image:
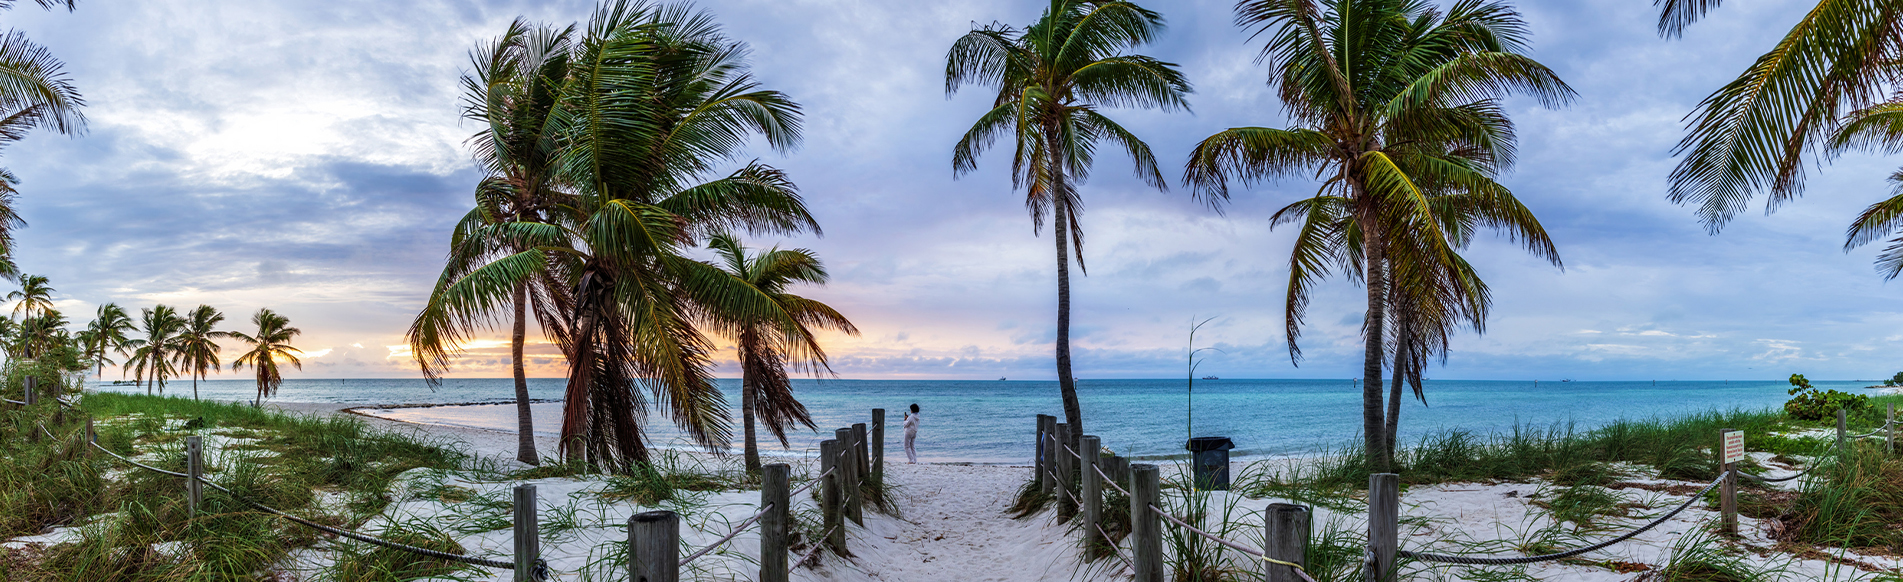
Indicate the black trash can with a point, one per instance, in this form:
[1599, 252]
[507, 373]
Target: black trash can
[1209, 461]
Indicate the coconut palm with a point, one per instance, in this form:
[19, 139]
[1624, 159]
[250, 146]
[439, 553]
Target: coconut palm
[106, 335]
[636, 167]
[513, 92]
[1754, 133]
[41, 333]
[151, 360]
[768, 342]
[1396, 106]
[1053, 78]
[35, 93]
[270, 345]
[35, 294]
[197, 345]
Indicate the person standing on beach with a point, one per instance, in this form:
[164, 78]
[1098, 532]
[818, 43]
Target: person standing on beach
[911, 433]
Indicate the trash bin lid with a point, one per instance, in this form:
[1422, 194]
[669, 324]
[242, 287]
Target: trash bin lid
[1200, 444]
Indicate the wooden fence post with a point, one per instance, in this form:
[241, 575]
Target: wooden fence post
[1728, 491]
[1120, 470]
[832, 496]
[1092, 493]
[1046, 424]
[1066, 472]
[1889, 429]
[1146, 529]
[1286, 532]
[878, 444]
[32, 390]
[92, 436]
[528, 536]
[654, 547]
[194, 468]
[1842, 433]
[862, 450]
[775, 501]
[1384, 524]
[849, 468]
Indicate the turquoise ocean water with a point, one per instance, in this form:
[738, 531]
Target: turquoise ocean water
[992, 421]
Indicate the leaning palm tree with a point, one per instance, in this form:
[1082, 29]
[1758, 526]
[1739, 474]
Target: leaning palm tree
[656, 99]
[513, 92]
[769, 341]
[1397, 107]
[151, 358]
[197, 345]
[270, 345]
[106, 335]
[1053, 78]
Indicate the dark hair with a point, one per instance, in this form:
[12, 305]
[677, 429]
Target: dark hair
[914, 408]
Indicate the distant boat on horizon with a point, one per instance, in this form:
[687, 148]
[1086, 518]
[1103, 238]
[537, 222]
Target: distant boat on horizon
[1211, 378]
[1001, 380]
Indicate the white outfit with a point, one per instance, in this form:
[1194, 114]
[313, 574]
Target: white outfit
[911, 432]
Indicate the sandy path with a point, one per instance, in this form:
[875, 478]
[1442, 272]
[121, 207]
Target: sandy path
[953, 527]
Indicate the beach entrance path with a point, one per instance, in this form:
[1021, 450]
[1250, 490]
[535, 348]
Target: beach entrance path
[952, 527]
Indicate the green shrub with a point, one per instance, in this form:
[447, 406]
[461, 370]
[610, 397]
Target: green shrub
[1808, 403]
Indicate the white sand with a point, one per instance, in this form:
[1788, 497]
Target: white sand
[951, 526]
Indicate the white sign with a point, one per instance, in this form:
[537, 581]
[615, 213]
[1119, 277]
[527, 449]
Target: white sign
[1734, 446]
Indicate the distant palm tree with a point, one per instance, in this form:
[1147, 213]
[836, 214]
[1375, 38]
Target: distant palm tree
[35, 294]
[107, 335]
[1052, 79]
[1397, 107]
[42, 333]
[772, 329]
[152, 355]
[197, 344]
[271, 343]
[513, 93]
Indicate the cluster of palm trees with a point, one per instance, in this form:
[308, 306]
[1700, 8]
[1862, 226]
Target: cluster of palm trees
[1395, 105]
[170, 345]
[602, 144]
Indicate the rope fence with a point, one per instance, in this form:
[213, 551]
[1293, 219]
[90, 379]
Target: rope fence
[1471, 561]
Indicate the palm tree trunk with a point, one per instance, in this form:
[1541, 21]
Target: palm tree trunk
[1401, 358]
[749, 398]
[524, 421]
[1372, 421]
[194, 388]
[1067, 385]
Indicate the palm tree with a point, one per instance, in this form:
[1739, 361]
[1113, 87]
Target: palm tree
[152, 355]
[1754, 133]
[35, 92]
[1397, 106]
[1052, 79]
[106, 335]
[271, 344]
[35, 294]
[513, 92]
[770, 341]
[1820, 90]
[635, 166]
[197, 344]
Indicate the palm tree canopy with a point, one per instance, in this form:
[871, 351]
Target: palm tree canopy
[269, 345]
[1052, 80]
[1398, 110]
[653, 100]
[1754, 133]
[35, 294]
[197, 345]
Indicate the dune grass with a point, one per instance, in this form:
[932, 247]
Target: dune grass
[134, 525]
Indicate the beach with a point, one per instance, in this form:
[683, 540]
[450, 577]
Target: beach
[950, 524]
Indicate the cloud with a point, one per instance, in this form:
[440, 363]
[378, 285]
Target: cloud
[307, 157]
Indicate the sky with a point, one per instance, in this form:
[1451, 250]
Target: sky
[307, 156]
